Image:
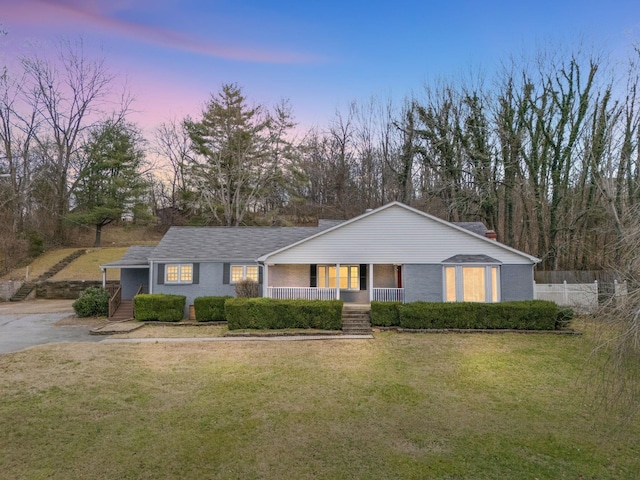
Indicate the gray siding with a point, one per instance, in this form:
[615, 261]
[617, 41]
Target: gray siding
[516, 282]
[423, 283]
[210, 284]
[131, 279]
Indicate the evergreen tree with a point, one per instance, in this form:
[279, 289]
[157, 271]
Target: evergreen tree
[109, 183]
[239, 153]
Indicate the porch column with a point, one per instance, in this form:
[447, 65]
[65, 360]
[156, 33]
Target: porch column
[370, 280]
[337, 281]
[104, 278]
[150, 277]
[265, 281]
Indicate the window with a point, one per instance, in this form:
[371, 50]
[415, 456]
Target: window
[244, 272]
[471, 283]
[349, 277]
[178, 273]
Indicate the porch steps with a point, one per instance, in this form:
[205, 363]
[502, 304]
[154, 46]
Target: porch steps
[355, 320]
[28, 287]
[124, 311]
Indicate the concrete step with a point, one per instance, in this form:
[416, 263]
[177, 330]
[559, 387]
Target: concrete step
[23, 292]
[356, 320]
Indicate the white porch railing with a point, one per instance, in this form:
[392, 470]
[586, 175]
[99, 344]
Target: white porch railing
[388, 295]
[301, 293]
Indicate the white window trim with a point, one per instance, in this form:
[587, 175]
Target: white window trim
[179, 281]
[459, 281]
[338, 278]
[244, 273]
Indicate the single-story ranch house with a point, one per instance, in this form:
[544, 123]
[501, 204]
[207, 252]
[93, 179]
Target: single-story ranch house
[392, 253]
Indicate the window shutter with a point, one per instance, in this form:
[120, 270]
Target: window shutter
[260, 274]
[313, 276]
[196, 273]
[226, 268]
[363, 276]
[161, 274]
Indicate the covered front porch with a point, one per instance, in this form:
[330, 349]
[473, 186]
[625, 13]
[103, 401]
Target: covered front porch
[352, 283]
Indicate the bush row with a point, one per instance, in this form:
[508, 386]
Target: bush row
[522, 315]
[267, 313]
[159, 306]
[210, 309]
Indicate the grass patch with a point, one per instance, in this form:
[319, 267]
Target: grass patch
[87, 266]
[399, 406]
[162, 331]
[40, 265]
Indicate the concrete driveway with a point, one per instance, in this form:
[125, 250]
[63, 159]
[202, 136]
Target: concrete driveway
[29, 323]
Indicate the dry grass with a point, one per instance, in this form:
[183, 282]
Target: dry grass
[115, 240]
[117, 236]
[400, 406]
[162, 331]
[40, 265]
[87, 266]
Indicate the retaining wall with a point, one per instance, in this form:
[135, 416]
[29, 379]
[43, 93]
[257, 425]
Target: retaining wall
[67, 289]
[8, 288]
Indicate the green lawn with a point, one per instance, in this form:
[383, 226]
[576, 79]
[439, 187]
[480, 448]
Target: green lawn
[402, 406]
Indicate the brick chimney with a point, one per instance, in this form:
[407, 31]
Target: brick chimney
[491, 235]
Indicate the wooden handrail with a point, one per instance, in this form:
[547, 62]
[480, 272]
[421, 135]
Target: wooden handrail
[115, 301]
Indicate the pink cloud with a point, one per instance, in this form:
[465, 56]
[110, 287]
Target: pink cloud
[93, 13]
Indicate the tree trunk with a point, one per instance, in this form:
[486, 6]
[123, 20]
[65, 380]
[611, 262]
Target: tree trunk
[96, 244]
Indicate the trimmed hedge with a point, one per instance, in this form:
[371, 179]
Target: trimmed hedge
[93, 302]
[159, 307]
[522, 315]
[210, 309]
[268, 313]
[385, 314]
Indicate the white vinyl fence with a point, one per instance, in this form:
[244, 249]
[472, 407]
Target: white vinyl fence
[582, 297]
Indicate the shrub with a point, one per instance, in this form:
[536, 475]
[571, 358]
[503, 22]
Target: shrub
[522, 315]
[36, 245]
[247, 289]
[564, 317]
[93, 302]
[267, 313]
[210, 309]
[159, 306]
[385, 314]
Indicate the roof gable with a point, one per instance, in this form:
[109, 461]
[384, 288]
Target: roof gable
[394, 233]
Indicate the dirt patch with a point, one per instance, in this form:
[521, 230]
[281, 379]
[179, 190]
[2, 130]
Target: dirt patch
[73, 321]
[36, 306]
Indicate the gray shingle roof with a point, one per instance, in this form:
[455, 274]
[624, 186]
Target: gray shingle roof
[229, 243]
[471, 259]
[134, 256]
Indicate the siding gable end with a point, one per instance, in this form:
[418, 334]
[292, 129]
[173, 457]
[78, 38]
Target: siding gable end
[394, 234]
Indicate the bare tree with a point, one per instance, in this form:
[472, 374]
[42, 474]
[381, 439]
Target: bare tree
[67, 93]
[173, 145]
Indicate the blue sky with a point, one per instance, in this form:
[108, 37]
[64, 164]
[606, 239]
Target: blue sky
[319, 55]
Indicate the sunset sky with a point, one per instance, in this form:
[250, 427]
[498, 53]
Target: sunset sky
[319, 55]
